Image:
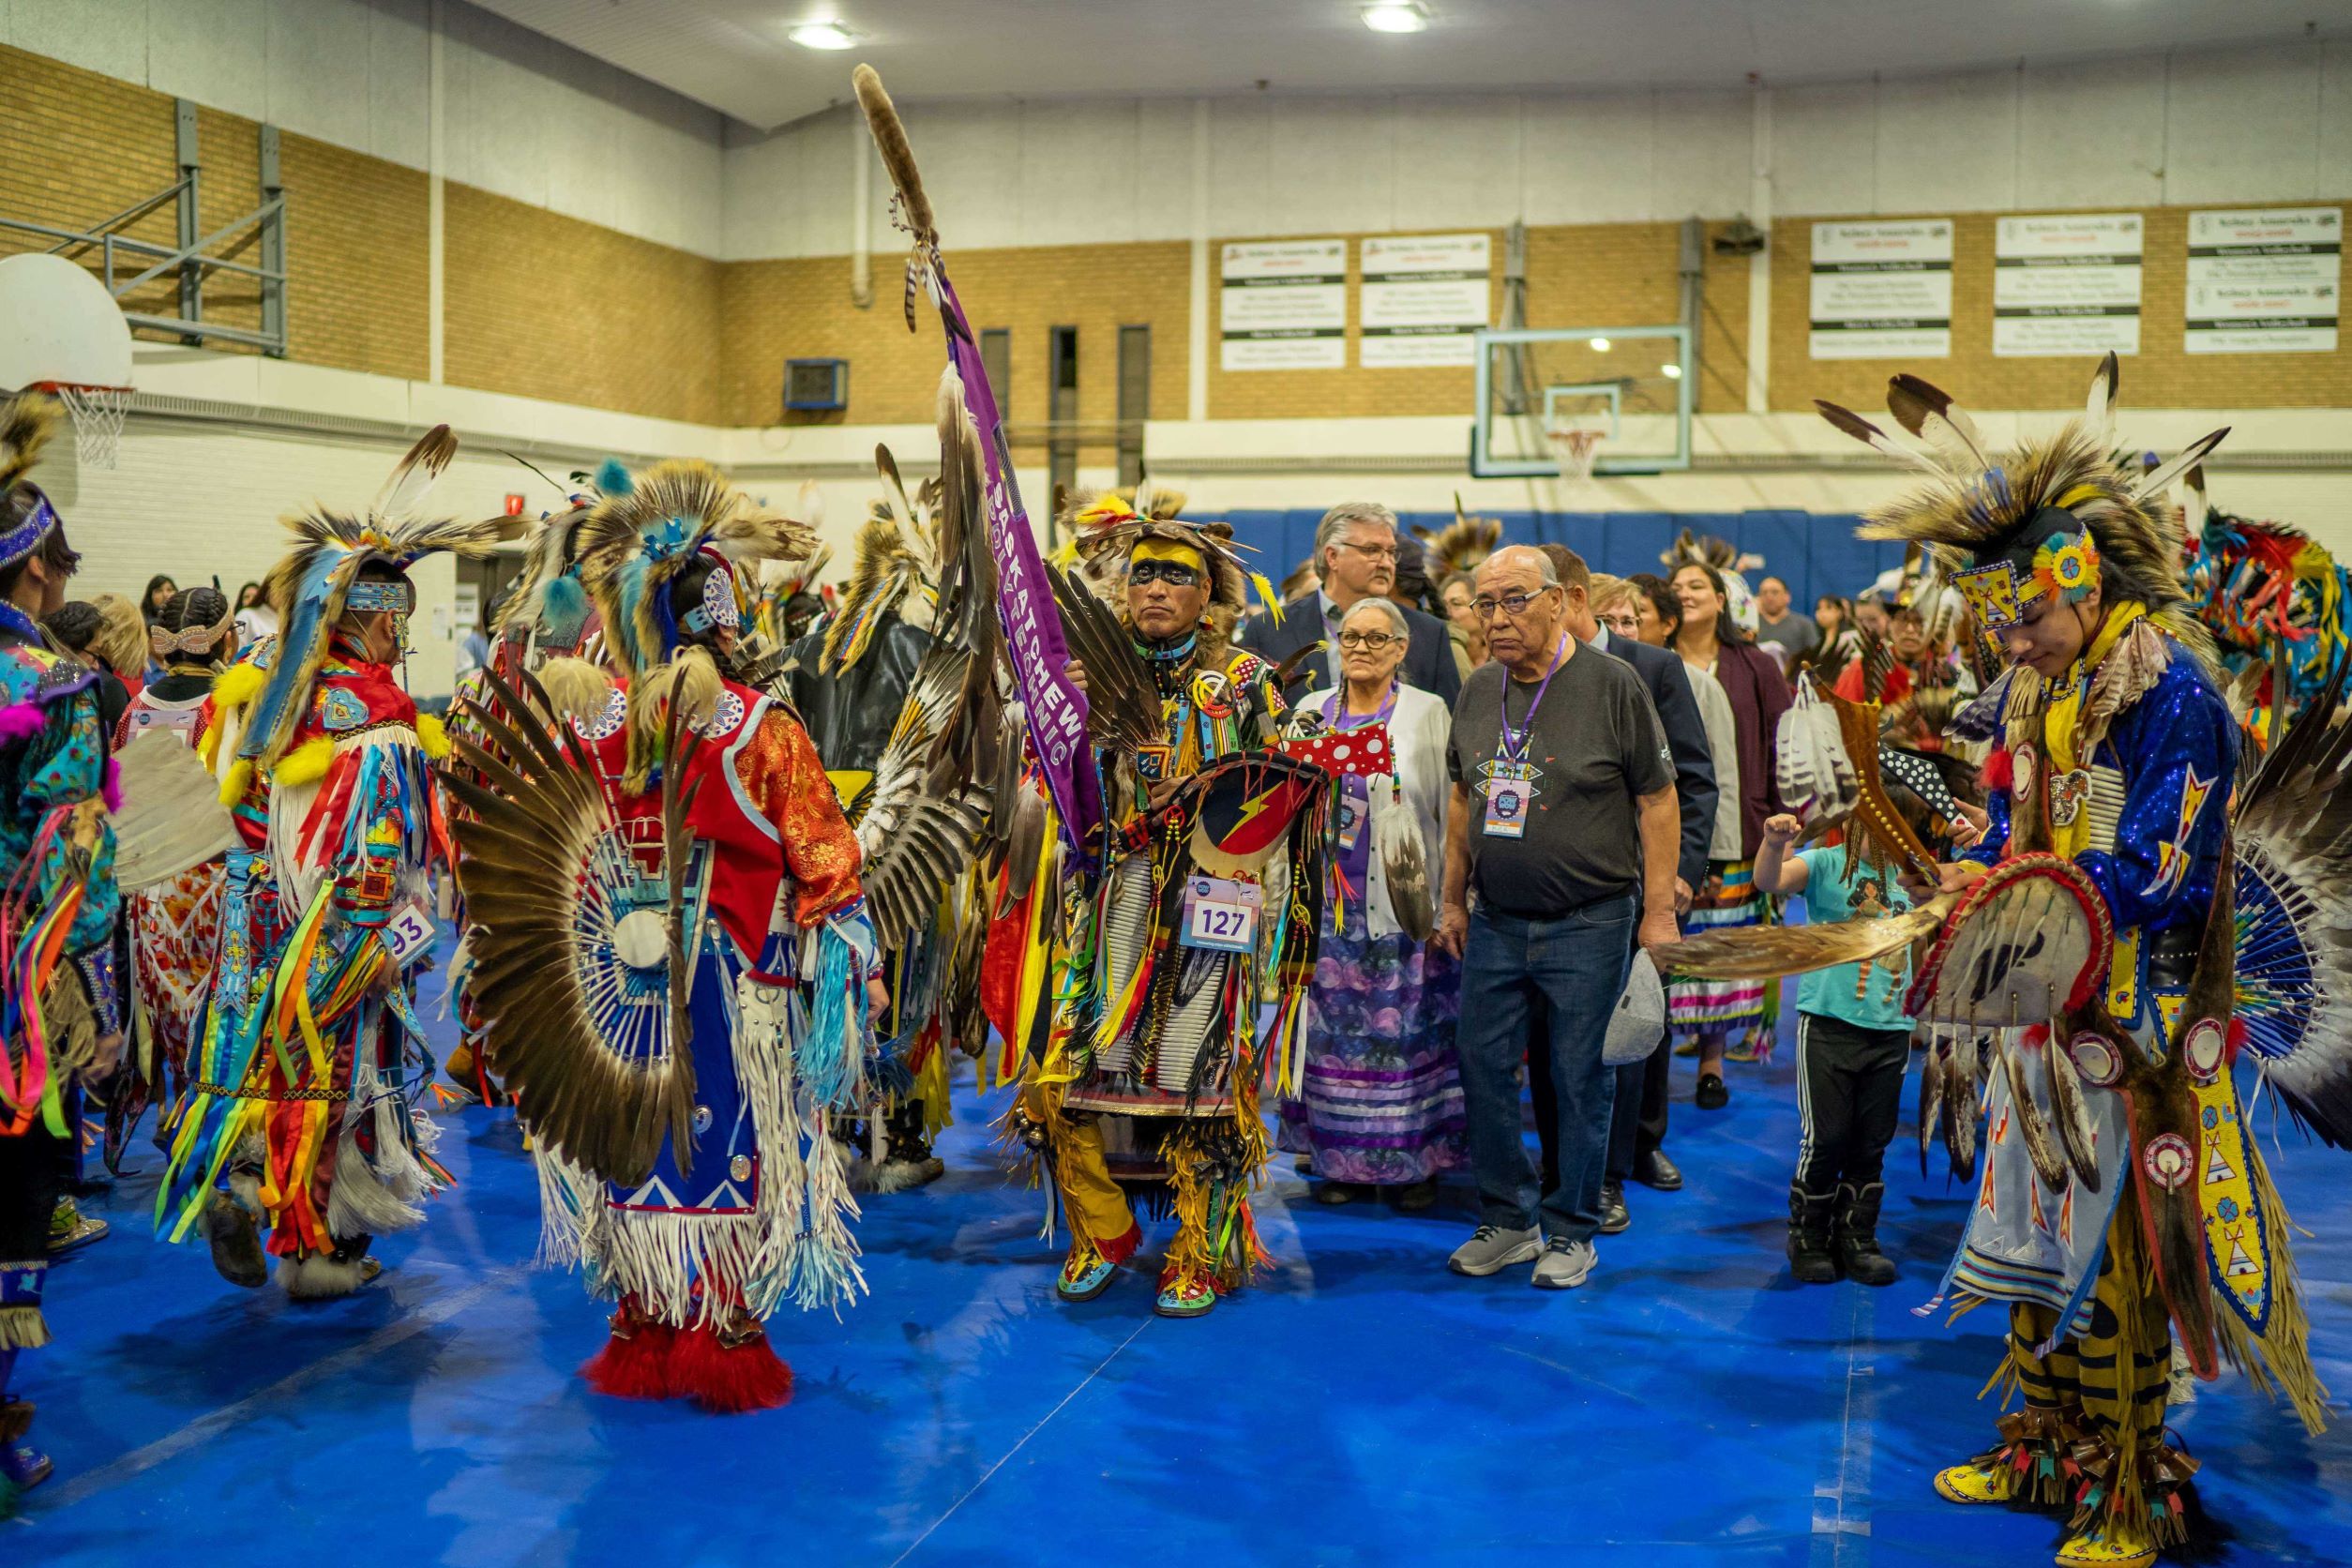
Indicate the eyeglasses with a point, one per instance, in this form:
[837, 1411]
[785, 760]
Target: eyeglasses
[1513, 605]
[1174, 573]
[1372, 641]
[1375, 552]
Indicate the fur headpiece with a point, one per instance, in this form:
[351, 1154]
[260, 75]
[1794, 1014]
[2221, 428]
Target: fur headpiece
[311, 585]
[26, 422]
[895, 555]
[2051, 518]
[646, 531]
[1107, 530]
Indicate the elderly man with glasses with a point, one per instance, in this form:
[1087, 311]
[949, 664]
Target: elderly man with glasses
[1563, 832]
[1355, 553]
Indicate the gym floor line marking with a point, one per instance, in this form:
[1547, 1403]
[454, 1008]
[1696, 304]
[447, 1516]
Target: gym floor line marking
[173, 1444]
[990, 1475]
[1841, 1506]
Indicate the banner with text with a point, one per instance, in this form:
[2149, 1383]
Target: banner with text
[1283, 305]
[2066, 284]
[2265, 281]
[1882, 289]
[1423, 297]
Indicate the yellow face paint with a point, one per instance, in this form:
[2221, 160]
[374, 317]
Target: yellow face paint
[1171, 549]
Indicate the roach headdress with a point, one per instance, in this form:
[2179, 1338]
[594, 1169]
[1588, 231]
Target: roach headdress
[26, 423]
[550, 603]
[319, 579]
[1109, 529]
[894, 566]
[2056, 517]
[644, 532]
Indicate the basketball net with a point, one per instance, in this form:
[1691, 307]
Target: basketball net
[98, 414]
[1576, 448]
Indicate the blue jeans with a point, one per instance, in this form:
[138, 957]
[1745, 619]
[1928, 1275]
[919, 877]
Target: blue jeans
[1579, 964]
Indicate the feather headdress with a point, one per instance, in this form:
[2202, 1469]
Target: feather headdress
[2051, 516]
[1108, 529]
[646, 531]
[311, 586]
[895, 555]
[26, 422]
[549, 602]
[1460, 545]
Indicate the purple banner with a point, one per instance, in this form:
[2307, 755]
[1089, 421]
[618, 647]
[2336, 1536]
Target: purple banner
[1056, 709]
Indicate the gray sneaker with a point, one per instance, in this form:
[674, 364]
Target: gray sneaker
[1491, 1249]
[1564, 1265]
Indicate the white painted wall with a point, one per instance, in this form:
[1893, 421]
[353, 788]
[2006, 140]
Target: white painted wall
[2269, 125]
[523, 115]
[200, 499]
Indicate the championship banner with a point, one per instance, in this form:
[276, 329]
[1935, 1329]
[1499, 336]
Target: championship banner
[1054, 707]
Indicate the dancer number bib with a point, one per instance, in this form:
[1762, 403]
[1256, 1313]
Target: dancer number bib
[1221, 915]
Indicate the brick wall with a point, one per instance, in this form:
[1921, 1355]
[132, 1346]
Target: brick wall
[2160, 375]
[777, 310]
[543, 306]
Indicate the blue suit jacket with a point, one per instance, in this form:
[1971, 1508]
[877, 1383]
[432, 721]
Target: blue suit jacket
[1428, 654]
[1669, 686]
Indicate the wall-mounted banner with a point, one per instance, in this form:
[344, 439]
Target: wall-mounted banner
[2264, 282]
[1423, 296]
[2067, 284]
[1882, 289]
[1284, 306]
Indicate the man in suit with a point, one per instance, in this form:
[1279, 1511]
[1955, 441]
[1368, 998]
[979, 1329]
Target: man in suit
[1637, 1126]
[1355, 550]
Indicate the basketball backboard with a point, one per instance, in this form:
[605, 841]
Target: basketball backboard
[1633, 384]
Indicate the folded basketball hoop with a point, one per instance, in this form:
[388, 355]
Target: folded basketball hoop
[62, 333]
[1575, 447]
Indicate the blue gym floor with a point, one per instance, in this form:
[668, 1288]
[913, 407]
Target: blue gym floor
[1691, 1405]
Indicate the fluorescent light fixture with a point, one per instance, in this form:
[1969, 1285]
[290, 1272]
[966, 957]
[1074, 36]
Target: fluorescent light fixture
[1395, 16]
[823, 35]
[1600, 345]
[1671, 370]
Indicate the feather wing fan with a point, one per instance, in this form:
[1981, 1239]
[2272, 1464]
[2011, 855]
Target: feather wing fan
[1122, 701]
[1765, 952]
[2293, 838]
[914, 840]
[579, 956]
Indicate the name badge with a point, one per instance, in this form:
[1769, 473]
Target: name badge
[1351, 813]
[408, 936]
[1221, 915]
[1510, 796]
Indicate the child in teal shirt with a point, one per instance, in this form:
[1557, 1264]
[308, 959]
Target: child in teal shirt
[1853, 1043]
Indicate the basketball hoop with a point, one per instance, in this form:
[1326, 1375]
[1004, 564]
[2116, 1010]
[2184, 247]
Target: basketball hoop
[98, 414]
[1576, 448]
[62, 333]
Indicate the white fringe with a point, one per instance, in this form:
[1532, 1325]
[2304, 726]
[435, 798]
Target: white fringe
[319, 1277]
[795, 1239]
[386, 1195]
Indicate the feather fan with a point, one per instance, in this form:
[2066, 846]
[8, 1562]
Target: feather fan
[546, 876]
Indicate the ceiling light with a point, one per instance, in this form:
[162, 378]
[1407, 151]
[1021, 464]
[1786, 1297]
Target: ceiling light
[823, 35]
[1600, 345]
[1395, 16]
[1671, 370]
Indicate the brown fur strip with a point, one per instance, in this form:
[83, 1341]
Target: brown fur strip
[897, 153]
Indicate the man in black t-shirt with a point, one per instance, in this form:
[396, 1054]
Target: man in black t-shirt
[1564, 824]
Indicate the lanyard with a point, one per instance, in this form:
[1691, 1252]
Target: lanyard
[1338, 700]
[1514, 745]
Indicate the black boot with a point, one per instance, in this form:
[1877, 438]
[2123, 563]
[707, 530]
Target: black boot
[1858, 1234]
[1809, 1256]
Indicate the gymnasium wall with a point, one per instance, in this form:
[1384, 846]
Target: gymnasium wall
[622, 270]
